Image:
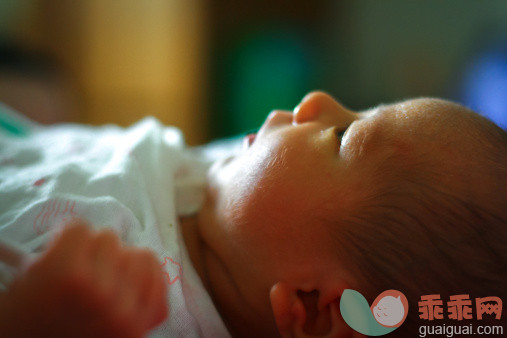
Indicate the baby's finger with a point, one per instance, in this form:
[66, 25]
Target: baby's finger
[140, 272]
[131, 281]
[127, 313]
[117, 314]
[70, 245]
[158, 301]
[104, 260]
[105, 249]
[155, 299]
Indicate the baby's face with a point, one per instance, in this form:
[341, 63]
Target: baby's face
[270, 206]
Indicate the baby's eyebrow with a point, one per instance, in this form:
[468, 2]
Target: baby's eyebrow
[384, 109]
[375, 111]
[394, 111]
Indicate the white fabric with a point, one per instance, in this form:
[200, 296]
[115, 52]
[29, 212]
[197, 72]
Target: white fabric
[135, 181]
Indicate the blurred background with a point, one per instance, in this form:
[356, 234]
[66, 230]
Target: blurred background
[216, 68]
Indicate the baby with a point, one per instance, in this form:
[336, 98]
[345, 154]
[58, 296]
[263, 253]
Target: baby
[409, 196]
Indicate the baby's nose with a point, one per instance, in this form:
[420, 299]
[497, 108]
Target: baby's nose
[319, 106]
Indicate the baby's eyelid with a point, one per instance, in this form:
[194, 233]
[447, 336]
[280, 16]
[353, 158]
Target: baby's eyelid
[339, 132]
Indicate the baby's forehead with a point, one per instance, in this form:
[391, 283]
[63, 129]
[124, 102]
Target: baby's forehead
[425, 120]
[413, 130]
[430, 113]
[435, 132]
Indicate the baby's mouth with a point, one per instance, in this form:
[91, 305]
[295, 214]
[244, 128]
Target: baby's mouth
[249, 140]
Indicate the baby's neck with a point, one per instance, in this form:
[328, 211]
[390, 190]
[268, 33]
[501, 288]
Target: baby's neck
[193, 244]
[230, 303]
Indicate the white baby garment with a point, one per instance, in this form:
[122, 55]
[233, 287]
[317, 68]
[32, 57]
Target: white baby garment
[136, 181]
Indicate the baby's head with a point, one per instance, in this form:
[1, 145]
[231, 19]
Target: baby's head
[405, 196]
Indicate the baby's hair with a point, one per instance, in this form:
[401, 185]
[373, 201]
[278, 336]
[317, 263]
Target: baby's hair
[416, 233]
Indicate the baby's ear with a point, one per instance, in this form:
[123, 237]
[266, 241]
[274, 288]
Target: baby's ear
[301, 313]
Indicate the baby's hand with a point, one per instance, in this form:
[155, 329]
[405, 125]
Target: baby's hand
[86, 284]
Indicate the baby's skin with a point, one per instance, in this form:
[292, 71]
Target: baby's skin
[265, 246]
[261, 242]
[86, 284]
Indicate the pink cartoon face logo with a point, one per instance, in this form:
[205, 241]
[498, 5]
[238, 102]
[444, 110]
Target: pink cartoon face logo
[390, 308]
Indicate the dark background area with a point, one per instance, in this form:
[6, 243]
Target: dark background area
[226, 64]
[362, 52]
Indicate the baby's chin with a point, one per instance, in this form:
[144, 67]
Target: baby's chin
[218, 167]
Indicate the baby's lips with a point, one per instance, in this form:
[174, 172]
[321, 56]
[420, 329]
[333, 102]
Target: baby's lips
[249, 140]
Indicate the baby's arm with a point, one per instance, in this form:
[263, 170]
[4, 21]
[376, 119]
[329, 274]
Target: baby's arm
[85, 284]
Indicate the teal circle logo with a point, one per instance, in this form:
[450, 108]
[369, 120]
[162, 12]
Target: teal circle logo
[387, 312]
